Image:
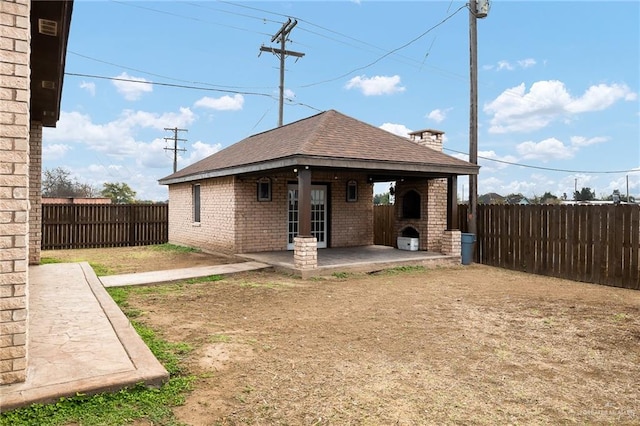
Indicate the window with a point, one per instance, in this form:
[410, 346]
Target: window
[264, 189]
[352, 191]
[196, 202]
[411, 205]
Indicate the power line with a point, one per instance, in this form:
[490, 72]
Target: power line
[163, 12]
[391, 52]
[180, 86]
[164, 76]
[551, 169]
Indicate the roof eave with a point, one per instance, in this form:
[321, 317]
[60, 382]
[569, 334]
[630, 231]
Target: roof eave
[342, 163]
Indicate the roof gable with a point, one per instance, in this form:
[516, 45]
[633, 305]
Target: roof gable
[327, 135]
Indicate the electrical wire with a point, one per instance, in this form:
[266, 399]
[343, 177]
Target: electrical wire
[163, 12]
[164, 76]
[181, 86]
[391, 52]
[551, 169]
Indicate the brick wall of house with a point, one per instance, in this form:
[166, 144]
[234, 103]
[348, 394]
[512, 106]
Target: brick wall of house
[351, 222]
[262, 225]
[216, 229]
[234, 221]
[35, 193]
[14, 184]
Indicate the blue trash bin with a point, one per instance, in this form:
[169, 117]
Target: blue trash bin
[467, 247]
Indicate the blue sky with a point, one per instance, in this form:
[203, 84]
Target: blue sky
[558, 85]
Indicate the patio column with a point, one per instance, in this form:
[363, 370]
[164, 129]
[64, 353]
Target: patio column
[305, 246]
[451, 239]
[304, 202]
[452, 202]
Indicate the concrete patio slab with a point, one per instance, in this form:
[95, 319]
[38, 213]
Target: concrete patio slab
[79, 340]
[354, 259]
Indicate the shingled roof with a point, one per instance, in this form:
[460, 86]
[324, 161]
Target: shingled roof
[327, 139]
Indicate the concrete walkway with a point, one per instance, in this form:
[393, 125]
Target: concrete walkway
[155, 277]
[79, 340]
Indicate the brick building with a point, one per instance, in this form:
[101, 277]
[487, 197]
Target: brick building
[311, 183]
[33, 42]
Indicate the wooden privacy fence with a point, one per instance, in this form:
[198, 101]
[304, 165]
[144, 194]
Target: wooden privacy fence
[384, 221]
[591, 243]
[73, 226]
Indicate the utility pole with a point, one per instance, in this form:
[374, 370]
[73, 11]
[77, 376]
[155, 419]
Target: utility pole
[175, 149]
[477, 9]
[282, 53]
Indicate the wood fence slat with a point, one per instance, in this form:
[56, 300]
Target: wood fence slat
[634, 264]
[107, 225]
[592, 243]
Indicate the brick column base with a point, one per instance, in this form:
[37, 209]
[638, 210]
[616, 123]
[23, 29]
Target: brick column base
[452, 242]
[305, 253]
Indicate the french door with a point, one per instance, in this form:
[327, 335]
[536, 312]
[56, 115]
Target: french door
[318, 214]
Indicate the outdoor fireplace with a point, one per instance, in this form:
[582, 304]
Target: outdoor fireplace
[409, 239]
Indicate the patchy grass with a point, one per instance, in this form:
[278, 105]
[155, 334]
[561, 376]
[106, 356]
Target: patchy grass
[151, 406]
[175, 248]
[100, 269]
[207, 279]
[49, 260]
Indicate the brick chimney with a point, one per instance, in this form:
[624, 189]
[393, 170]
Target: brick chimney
[428, 137]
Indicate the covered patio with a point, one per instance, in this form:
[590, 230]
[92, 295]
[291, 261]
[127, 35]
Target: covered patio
[354, 259]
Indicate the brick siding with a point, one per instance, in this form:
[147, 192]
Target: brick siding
[35, 193]
[234, 221]
[14, 188]
[433, 211]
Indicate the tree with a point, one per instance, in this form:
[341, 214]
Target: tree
[58, 183]
[585, 194]
[119, 192]
[616, 196]
[547, 198]
[381, 199]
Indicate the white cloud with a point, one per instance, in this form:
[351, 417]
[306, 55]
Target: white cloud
[378, 85]
[580, 141]
[396, 129]
[153, 155]
[485, 157]
[115, 138]
[132, 90]
[200, 150]
[55, 151]
[515, 110]
[526, 63]
[438, 115]
[89, 87]
[504, 65]
[181, 119]
[223, 103]
[548, 149]
[600, 97]
[289, 94]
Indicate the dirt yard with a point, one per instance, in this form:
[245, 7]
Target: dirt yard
[461, 345]
[128, 260]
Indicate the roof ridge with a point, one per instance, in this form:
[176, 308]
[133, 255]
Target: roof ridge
[318, 128]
